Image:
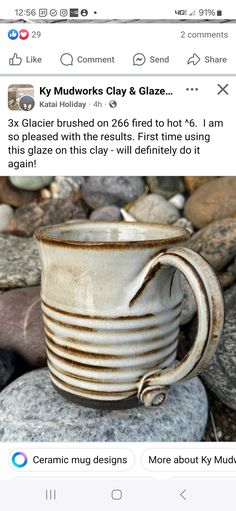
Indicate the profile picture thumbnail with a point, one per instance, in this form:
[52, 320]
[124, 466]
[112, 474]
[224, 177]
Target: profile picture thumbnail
[21, 97]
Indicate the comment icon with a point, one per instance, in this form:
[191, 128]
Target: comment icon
[139, 59]
[66, 59]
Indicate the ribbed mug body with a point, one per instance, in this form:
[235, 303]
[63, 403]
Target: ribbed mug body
[103, 329]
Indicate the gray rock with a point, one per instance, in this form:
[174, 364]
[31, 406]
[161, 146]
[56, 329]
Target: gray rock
[7, 366]
[62, 187]
[220, 375]
[100, 191]
[19, 262]
[108, 214]
[154, 208]
[32, 410]
[6, 214]
[49, 212]
[22, 328]
[167, 186]
[30, 183]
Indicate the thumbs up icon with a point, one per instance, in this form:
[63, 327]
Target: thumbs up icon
[15, 60]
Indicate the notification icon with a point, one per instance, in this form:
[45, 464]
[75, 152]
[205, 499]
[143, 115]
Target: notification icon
[24, 34]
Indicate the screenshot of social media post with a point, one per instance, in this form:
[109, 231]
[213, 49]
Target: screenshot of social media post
[117, 257]
[167, 102]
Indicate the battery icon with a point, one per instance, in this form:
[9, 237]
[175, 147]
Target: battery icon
[219, 13]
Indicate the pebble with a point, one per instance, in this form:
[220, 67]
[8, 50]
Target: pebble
[31, 183]
[19, 262]
[107, 214]
[14, 197]
[100, 191]
[154, 208]
[53, 211]
[178, 201]
[7, 366]
[213, 201]
[22, 328]
[45, 194]
[216, 242]
[194, 182]
[6, 214]
[183, 222]
[45, 416]
[63, 187]
[219, 376]
[167, 186]
[126, 216]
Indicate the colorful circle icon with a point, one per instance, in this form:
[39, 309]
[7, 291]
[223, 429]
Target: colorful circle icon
[23, 34]
[19, 459]
[13, 34]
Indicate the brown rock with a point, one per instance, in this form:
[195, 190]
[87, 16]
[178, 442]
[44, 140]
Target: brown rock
[53, 211]
[22, 325]
[193, 182]
[13, 196]
[216, 242]
[226, 278]
[214, 200]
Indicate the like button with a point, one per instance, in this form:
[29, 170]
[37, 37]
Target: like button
[15, 60]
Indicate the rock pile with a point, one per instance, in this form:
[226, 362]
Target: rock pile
[30, 408]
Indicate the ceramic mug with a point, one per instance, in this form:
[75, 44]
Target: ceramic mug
[111, 299]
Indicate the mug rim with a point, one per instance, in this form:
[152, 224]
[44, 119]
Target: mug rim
[42, 235]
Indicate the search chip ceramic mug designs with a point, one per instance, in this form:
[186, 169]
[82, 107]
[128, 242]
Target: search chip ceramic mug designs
[111, 299]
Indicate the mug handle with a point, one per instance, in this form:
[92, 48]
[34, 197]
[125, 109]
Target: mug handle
[153, 387]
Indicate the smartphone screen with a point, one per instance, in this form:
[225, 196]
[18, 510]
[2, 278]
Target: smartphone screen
[117, 255]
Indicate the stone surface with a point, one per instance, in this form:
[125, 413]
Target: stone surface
[193, 182]
[29, 218]
[19, 262]
[12, 196]
[183, 222]
[6, 214]
[214, 200]
[7, 367]
[216, 242]
[21, 323]
[108, 213]
[30, 183]
[62, 187]
[45, 194]
[154, 208]
[31, 410]
[167, 186]
[127, 216]
[226, 278]
[100, 191]
[178, 201]
[220, 375]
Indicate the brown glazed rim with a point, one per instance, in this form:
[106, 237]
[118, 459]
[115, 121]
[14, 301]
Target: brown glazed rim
[41, 235]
